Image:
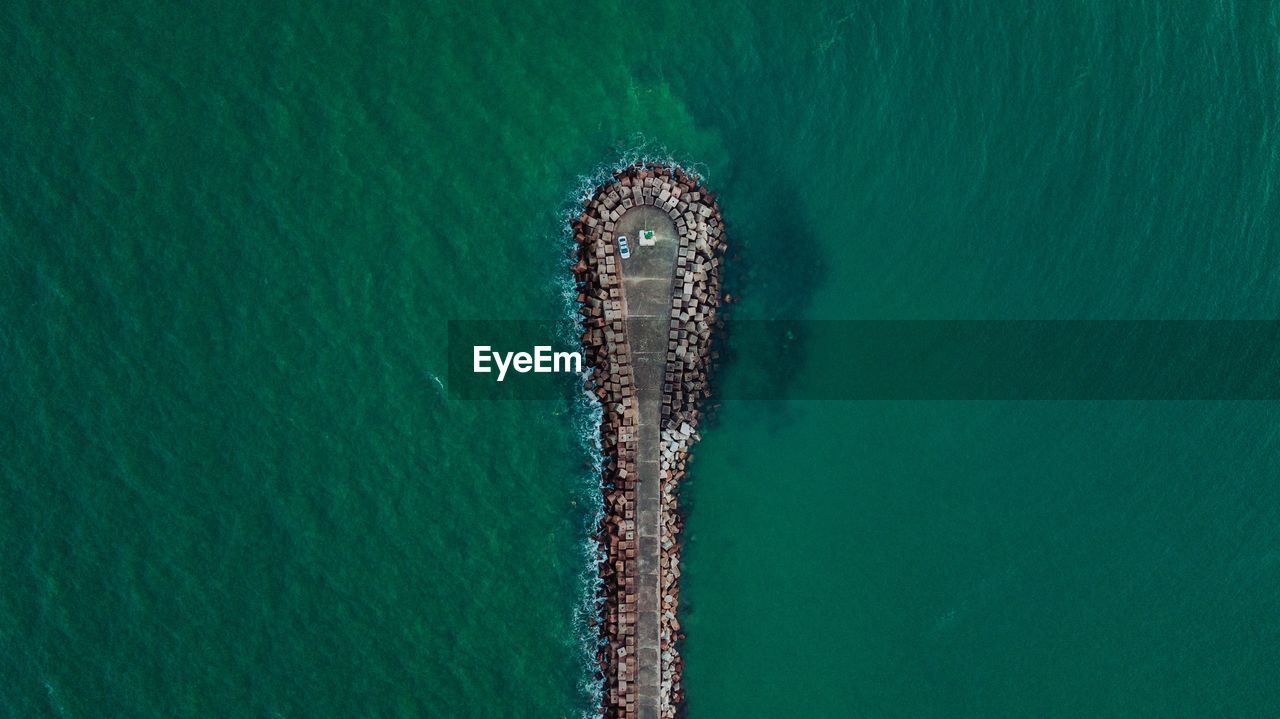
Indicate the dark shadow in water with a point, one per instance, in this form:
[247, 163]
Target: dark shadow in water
[772, 270]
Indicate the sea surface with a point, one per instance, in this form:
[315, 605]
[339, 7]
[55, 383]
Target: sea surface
[233, 482]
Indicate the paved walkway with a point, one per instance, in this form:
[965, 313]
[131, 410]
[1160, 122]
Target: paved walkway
[646, 288]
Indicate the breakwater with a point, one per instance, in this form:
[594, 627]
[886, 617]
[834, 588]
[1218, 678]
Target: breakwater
[647, 325]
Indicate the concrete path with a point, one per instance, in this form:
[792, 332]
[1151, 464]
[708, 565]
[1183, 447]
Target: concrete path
[646, 288]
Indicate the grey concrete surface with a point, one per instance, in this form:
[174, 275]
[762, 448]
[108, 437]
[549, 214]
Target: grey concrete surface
[647, 284]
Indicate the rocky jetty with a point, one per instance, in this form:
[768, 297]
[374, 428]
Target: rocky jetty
[695, 297]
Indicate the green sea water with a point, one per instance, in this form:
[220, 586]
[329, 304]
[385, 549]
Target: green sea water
[232, 481]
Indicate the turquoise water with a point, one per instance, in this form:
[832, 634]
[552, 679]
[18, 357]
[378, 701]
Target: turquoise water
[232, 484]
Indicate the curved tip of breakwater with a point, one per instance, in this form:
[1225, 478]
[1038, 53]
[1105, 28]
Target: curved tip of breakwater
[649, 247]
